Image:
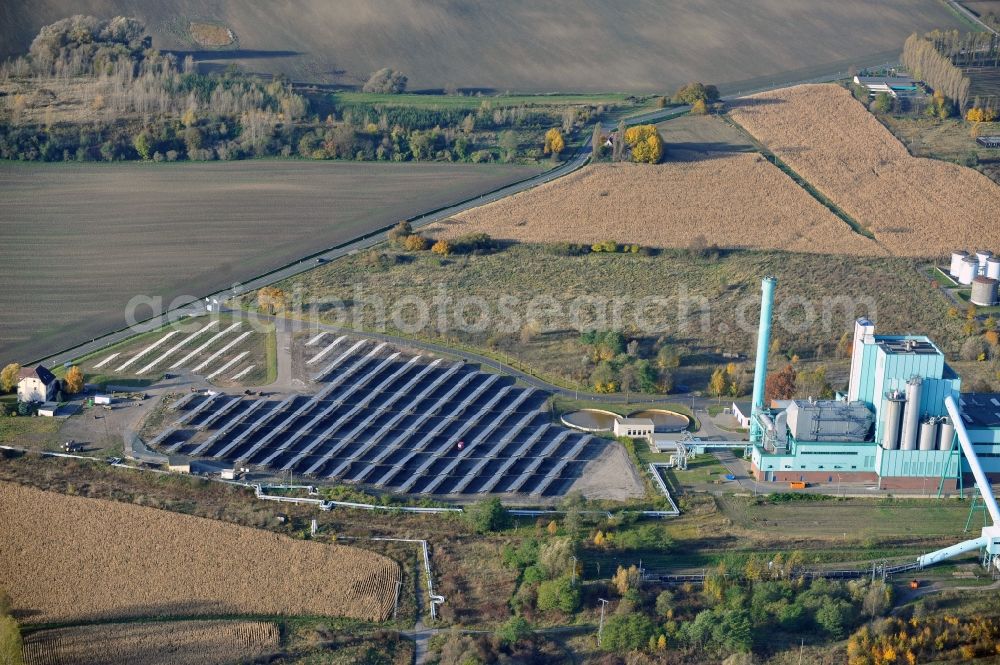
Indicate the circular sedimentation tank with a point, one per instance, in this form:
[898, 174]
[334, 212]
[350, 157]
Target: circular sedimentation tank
[590, 420]
[664, 420]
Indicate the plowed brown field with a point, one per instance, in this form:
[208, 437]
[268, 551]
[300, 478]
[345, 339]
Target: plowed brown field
[167, 643]
[732, 200]
[914, 206]
[68, 558]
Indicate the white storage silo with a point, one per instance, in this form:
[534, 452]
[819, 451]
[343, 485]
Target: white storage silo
[911, 414]
[968, 270]
[983, 255]
[956, 262]
[946, 434]
[984, 291]
[928, 434]
[893, 417]
[993, 268]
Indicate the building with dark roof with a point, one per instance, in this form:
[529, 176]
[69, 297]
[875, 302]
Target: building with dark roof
[36, 384]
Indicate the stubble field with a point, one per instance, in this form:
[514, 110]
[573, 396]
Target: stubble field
[68, 558]
[80, 240]
[167, 643]
[737, 200]
[914, 206]
[565, 45]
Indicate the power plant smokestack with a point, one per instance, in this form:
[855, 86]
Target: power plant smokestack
[763, 346]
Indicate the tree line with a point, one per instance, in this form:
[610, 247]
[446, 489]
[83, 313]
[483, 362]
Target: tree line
[938, 58]
[95, 90]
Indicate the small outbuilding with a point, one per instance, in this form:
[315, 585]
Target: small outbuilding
[178, 464]
[48, 409]
[894, 86]
[741, 411]
[36, 385]
[634, 427]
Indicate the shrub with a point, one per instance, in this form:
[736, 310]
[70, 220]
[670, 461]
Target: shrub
[399, 233]
[475, 243]
[442, 247]
[415, 243]
[695, 91]
[626, 632]
[514, 630]
[567, 249]
[488, 515]
[558, 594]
[386, 81]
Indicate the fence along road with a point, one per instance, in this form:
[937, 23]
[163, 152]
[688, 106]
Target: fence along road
[196, 305]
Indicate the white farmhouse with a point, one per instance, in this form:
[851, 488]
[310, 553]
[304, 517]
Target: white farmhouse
[36, 385]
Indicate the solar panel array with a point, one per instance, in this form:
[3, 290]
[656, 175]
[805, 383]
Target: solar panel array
[395, 421]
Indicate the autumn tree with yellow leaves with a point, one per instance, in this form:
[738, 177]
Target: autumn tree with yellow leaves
[645, 143]
[270, 300]
[8, 377]
[73, 383]
[554, 142]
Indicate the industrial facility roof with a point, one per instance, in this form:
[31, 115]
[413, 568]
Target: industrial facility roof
[981, 409]
[916, 345]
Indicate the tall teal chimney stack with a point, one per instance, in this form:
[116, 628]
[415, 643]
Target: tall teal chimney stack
[763, 346]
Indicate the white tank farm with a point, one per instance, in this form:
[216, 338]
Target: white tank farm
[993, 268]
[968, 270]
[956, 262]
[984, 291]
[928, 434]
[946, 434]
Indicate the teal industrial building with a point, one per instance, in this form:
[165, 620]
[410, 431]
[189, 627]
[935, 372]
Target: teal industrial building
[891, 430]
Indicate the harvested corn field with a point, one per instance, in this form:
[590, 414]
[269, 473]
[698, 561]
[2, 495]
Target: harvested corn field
[914, 206]
[732, 200]
[166, 643]
[69, 558]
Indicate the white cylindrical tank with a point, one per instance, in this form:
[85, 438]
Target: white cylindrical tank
[956, 262]
[911, 414]
[928, 434]
[893, 417]
[993, 268]
[968, 270]
[984, 291]
[983, 256]
[946, 434]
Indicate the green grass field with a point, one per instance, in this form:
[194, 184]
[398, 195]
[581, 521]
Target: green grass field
[859, 519]
[525, 286]
[473, 102]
